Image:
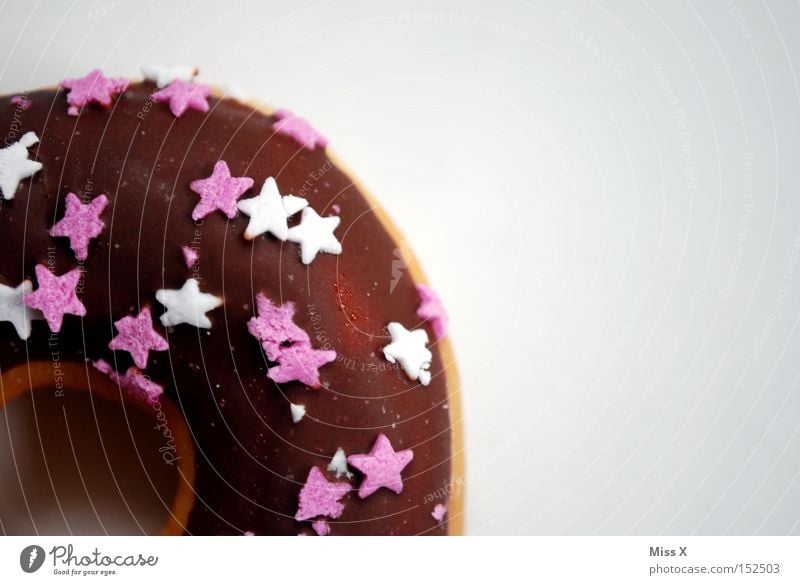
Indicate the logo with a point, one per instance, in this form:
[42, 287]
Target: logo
[31, 558]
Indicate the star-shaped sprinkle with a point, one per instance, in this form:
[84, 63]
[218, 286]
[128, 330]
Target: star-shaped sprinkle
[431, 309]
[94, 88]
[439, 512]
[321, 527]
[15, 166]
[183, 95]
[299, 129]
[275, 328]
[219, 192]
[137, 337]
[163, 75]
[81, 223]
[56, 296]
[190, 256]
[287, 344]
[187, 305]
[298, 412]
[408, 348]
[381, 467]
[302, 363]
[23, 102]
[14, 310]
[269, 211]
[338, 464]
[315, 234]
[133, 382]
[320, 497]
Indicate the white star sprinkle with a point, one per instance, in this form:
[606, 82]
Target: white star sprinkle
[338, 465]
[315, 234]
[269, 211]
[13, 309]
[15, 166]
[187, 305]
[298, 412]
[408, 348]
[163, 75]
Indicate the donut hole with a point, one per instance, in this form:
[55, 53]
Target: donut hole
[83, 462]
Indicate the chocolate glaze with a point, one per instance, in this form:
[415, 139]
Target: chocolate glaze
[251, 459]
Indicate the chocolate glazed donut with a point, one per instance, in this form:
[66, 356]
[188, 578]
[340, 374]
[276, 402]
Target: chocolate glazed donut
[242, 460]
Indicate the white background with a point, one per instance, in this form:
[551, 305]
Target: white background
[604, 194]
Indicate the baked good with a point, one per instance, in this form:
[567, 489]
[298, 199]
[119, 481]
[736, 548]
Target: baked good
[210, 262]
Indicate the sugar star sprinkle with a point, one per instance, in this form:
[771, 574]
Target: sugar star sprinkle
[298, 412]
[432, 310]
[15, 165]
[94, 88]
[190, 256]
[56, 296]
[439, 512]
[184, 95]
[81, 223]
[409, 349]
[13, 309]
[187, 305]
[338, 464]
[268, 212]
[287, 344]
[219, 192]
[275, 328]
[302, 363]
[163, 75]
[315, 234]
[381, 467]
[299, 129]
[320, 497]
[133, 382]
[137, 337]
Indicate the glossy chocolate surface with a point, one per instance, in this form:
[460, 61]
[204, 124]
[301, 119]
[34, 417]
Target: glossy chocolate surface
[251, 459]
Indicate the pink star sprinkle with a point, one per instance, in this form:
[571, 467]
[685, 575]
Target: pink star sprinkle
[94, 88]
[22, 102]
[133, 382]
[137, 337]
[301, 363]
[81, 223]
[183, 95]
[190, 256]
[56, 296]
[275, 328]
[321, 527]
[431, 309]
[248, 533]
[219, 192]
[439, 512]
[286, 343]
[320, 497]
[299, 129]
[381, 467]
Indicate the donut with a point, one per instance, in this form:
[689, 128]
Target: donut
[210, 262]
